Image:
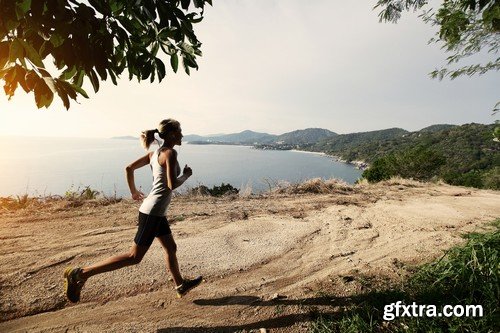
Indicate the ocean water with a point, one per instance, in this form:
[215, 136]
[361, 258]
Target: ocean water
[48, 166]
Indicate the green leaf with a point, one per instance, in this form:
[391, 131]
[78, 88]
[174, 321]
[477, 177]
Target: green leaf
[174, 62]
[101, 6]
[16, 50]
[160, 67]
[44, 50]
[153, 71]
[116, 6]
[47, 99]
[78, 79]
[56, 40]
[23, 62]
[79, 90]
[32, 54]
[167, 32]
[24, 5]
[101, 70]
[68, 73]
[22, 8]
[186, 67]
[190, 61]
[196, 20]
[155, 48]
[112, 76]
[186, 47]
[199, 3]
[94, 80]
[11, 24]
[168, 47]
[68, 89]
[146, 71]
[185, 4]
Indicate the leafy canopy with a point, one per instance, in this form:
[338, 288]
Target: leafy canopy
[96, 40]
[466, 28]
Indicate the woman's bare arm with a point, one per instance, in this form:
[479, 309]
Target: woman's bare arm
[172, 180]
[136, 195]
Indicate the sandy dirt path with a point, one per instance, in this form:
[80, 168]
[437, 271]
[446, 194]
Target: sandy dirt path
[266, 260]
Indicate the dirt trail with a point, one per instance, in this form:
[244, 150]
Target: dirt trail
[265, 259]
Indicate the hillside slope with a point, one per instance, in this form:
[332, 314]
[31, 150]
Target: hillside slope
[266, 259]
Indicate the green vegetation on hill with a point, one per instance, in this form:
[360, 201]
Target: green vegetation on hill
[243, 138]
[437, 128]
[305, 136]
[358, 146]
[464, 155]
[289, 140]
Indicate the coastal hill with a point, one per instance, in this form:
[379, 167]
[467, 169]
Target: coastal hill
[460, 155]
[298, 137]
[344, 144]
[245, 137]
[304, 137]
[437, 128]
[275, 261]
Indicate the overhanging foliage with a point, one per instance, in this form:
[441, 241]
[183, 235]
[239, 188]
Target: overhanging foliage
[466, 28]
[96, 40]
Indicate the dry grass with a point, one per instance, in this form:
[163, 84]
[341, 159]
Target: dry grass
[93, 198]
[402, 181]
[8, 204]
[18, 202]
[315, 185]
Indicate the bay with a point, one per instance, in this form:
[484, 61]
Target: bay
[53, 166]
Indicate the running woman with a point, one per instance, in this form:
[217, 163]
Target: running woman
[152, 213]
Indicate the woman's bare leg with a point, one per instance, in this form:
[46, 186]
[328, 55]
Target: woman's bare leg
[168, 243]
[132, 258]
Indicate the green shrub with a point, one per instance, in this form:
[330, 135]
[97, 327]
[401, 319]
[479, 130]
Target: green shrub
[215, 191]
[491, 179]
[471, 178]
[381, 169]
[223, 189]
[418, 163]
[86, 194]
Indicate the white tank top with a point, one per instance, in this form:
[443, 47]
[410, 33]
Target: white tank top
[157, 201]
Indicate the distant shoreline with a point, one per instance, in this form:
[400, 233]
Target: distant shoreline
[311, 152]
[361, 165]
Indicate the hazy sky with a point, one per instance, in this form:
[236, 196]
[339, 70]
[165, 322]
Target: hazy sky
[276, 66]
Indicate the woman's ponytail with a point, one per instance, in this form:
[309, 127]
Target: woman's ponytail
[147, 138]
[164, 128]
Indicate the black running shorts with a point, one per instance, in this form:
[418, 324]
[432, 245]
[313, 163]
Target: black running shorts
[150, 227]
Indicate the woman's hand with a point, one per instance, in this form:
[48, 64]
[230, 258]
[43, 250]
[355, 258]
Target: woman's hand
[137, 195]
[187, 171]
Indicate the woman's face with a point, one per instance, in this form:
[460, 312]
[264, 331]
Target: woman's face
[177, 136]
